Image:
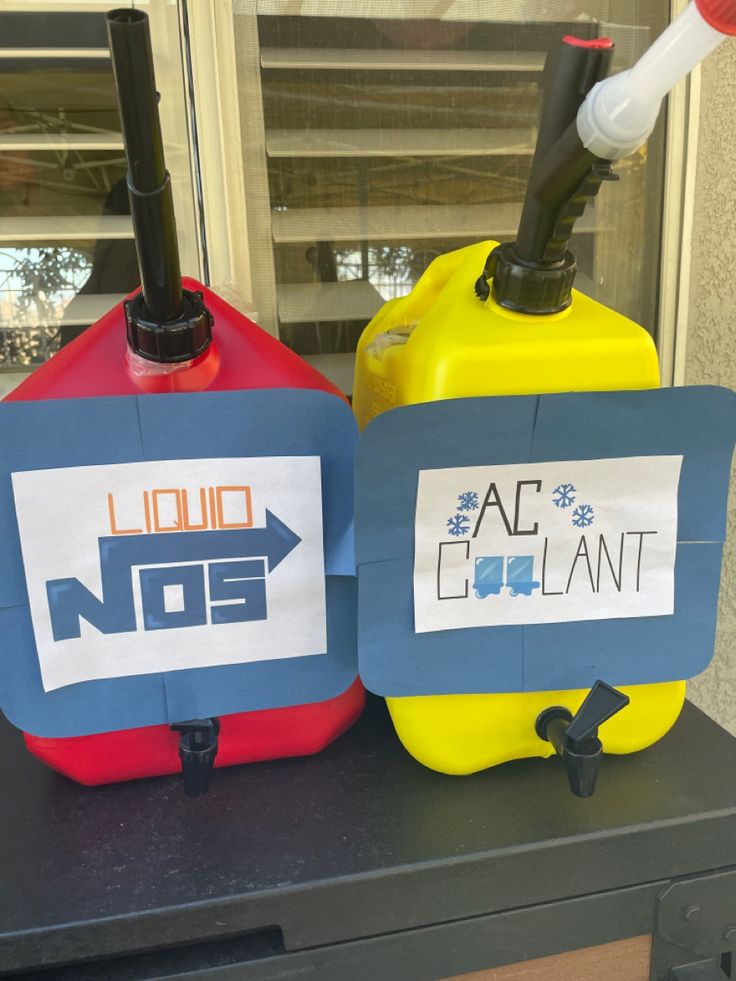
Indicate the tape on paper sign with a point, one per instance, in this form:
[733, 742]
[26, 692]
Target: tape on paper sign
[145, 567]
[545, 542]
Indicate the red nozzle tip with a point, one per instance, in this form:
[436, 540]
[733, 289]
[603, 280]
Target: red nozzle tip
[720, 14]
[596, 43]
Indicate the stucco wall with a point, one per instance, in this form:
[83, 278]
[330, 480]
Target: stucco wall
[711, 340]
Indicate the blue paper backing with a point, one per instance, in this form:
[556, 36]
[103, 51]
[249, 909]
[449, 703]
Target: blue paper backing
[83, 432]
[697, 422]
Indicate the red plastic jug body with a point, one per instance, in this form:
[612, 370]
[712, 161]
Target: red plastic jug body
[241, 356]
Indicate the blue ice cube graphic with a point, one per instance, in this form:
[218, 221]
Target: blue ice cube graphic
[488, 575]
[520, 575]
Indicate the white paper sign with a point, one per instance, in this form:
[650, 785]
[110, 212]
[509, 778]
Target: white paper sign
[158, 566]
[545, 542]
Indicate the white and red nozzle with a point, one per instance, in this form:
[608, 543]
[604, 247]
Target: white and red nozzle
[579, 138]
[720, 14]
[620, 112]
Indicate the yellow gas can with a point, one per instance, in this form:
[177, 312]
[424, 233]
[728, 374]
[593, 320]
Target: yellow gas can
[442, 342]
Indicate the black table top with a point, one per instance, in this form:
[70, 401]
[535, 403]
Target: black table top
[357, 841]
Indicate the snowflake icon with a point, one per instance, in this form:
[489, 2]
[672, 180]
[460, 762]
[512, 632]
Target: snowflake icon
[467, 501]
[563, 496]
[458, 524]
[583, 516]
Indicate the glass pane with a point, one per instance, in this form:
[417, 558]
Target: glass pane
[45, 97]
[373, 144]
[50, 293]
[44, 92]
[62, 182]
[66, 248]
[64, 213]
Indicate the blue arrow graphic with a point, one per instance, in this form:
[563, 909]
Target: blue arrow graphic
[114, 613]
[274, 542]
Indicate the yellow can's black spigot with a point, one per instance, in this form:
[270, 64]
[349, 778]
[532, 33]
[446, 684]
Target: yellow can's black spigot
[575, 737]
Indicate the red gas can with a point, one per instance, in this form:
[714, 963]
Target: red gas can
[174, 336]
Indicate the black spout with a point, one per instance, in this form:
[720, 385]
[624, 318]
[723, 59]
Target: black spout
[570, 73]
[197, 752]
[535, 273]
[149, 186]
[165, 323]
[575, 738]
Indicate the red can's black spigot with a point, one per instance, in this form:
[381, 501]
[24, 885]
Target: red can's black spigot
[197, 751]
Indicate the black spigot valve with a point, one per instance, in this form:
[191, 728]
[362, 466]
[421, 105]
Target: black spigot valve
[197, 752]
[575, 738]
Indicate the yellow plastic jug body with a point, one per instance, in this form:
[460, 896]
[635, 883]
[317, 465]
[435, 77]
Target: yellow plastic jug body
[441, 342]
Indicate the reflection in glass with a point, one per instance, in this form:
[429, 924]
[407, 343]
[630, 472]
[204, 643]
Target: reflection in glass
[389, 141]
[35, 286]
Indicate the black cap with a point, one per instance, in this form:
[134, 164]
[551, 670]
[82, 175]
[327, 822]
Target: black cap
[532, 287]
[198, 746]
[181, 339]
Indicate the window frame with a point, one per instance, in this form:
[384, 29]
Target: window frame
[681, 151]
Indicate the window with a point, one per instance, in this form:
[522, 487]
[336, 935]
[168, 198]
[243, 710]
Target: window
[66, 241]
[372, 143]
[322, 152]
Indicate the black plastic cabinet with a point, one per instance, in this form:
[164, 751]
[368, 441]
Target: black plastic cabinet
[359, 864]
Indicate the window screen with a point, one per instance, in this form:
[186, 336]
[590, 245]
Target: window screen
[378, 135]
